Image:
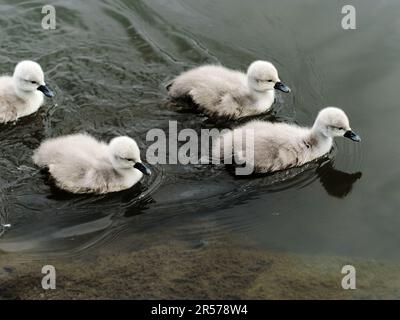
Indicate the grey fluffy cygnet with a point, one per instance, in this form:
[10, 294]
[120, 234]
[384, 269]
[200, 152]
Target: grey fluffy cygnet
[222, 92]
[22, 94]
[81, 164]
[279, 146]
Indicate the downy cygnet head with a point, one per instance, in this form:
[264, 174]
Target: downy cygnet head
[29, 77]
[263, 76]
[125, 154]
[333, 122]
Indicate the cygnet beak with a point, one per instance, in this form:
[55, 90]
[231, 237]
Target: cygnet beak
[282, 87]
[46, 91]
[353, 136]
[142, 168]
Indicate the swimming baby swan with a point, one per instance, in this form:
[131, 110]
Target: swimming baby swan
[279, 146]
[22, 94]
[81, 164]
[222, 92]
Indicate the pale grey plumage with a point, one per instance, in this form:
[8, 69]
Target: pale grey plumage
[223, 92]
[19, 94]
[279, 146]
[81, 164]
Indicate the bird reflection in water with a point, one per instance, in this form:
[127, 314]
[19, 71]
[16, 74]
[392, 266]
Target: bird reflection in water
[337, 183]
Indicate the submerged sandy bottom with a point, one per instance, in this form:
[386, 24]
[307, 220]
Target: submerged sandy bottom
[209, 271]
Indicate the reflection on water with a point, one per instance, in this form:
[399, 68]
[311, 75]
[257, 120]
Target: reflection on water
[109, 61]
[337, 183]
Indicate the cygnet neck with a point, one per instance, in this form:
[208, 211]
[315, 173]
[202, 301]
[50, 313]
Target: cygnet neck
[317, 137]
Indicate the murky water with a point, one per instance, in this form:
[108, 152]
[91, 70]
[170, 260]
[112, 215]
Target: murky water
[108, 62]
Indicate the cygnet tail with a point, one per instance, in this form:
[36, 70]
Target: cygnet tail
[38, 159]
[45, 154]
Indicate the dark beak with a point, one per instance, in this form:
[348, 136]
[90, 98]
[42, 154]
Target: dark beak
[142, 168]
[282, 87]
[351, 135]
[46, 91]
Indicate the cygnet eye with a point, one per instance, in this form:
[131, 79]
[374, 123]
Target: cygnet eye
[270, 80]
[127, 159]
[341, 128]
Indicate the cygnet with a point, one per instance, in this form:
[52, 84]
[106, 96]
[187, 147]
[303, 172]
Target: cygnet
[222, 92]
[81, 164]
[276, 146]
[22, 94]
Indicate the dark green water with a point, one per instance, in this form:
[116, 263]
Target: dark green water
[108, 62]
